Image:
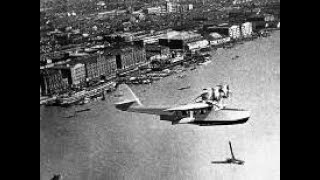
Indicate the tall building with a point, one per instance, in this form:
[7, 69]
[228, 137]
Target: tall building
[73, 73]
[51, 82]
[111, 67]
[98, 66]
[93, 72]
[128, 57]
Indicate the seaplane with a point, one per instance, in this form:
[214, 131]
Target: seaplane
[207, 109]
[231, 160]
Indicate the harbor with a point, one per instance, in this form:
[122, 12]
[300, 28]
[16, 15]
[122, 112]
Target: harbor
[143, 75]
[105, 144]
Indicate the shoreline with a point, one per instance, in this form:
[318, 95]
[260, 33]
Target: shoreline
[185, 71]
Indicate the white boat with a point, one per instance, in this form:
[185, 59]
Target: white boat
[206, 63]
[86, 100]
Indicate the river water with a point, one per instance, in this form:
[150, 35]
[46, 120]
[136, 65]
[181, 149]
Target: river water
[105, 143]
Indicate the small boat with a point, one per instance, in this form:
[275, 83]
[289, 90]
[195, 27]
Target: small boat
[117, 95]
[68, 117]
[85, 100]
[206, 63]
[183, 88]
[182, 76]
[235, 57]
[146, 81]
[83, 110]
[99, 98]
[56, 177]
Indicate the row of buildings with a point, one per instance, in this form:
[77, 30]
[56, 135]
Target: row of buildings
[83, 28]
[87, 69]
[129, 50]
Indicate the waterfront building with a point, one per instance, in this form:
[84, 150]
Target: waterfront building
[246, 29]
[139, 55]
[73, 73]
[111, 67]
[184, 40]
[226, 29]
[98, 66]
[156, 49]
[124, 58]
[91, 68]
[234, 31]
[51, 82]
[128, 57]
[217, 40]
[258, 22]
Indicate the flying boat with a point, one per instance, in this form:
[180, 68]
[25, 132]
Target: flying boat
[206, 111]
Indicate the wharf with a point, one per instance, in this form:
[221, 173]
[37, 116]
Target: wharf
[77, 97]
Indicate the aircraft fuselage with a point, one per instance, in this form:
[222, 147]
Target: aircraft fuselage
[209, 117]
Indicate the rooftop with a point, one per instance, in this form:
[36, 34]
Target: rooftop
[181, 35]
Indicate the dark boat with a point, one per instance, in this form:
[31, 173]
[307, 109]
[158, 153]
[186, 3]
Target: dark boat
[183, 88]
[83, 110]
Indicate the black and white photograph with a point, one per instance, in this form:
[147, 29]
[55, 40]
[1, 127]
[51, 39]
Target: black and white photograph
[159, 89]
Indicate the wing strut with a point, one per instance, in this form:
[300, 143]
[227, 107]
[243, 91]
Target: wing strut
[231, 150]
[192, 114]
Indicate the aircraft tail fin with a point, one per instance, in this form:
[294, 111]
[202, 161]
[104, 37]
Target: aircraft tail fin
[127, 99]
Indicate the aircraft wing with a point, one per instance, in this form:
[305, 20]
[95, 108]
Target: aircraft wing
[189, 107]
[167, 110]
[157, 110]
